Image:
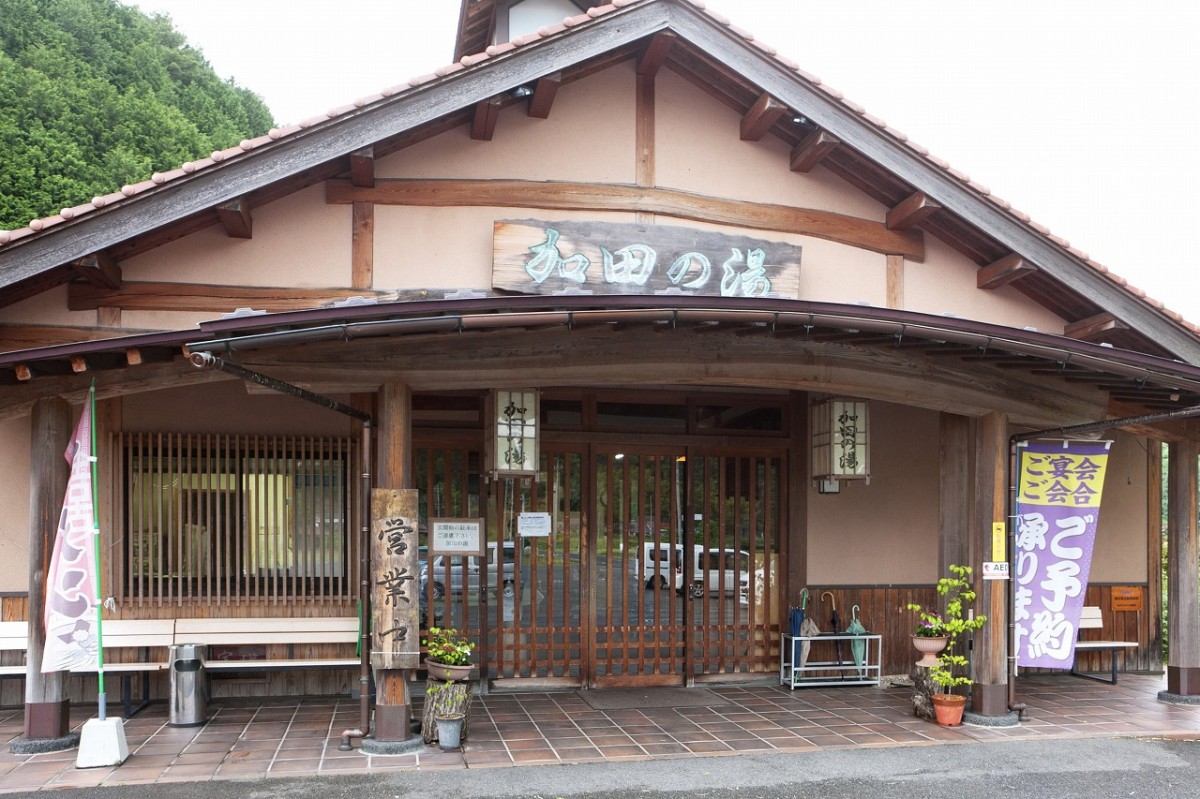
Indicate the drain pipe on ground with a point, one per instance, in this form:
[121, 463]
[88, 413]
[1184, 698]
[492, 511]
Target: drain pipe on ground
[1011, 514]
[206, 360]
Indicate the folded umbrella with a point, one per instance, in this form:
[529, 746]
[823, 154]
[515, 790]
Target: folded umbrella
[858, 646]
[808, 629]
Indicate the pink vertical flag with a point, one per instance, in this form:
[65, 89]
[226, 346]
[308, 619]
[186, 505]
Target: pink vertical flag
[71, 621]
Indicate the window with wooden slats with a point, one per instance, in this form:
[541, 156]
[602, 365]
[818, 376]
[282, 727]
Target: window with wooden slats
[215, 518]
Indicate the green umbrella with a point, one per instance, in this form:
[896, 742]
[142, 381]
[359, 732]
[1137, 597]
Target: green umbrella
[857, 646]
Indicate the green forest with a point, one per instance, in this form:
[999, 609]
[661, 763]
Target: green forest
[94, 95]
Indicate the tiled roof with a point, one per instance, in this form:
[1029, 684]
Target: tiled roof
[247, 145]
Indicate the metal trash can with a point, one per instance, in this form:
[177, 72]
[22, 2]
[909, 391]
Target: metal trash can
[189, 686]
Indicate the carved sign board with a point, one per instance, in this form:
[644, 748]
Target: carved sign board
[540, 257]
[395, 578]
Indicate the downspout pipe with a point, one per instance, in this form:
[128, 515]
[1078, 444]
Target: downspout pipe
[1011, 513]
[206, 360]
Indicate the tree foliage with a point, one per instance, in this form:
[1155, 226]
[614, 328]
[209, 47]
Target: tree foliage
[94, 95]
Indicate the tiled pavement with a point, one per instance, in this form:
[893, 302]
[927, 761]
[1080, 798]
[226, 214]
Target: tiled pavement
[300, 737]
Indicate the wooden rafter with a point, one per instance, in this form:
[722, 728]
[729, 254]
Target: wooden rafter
[656, 53]
[1006, 270]
[914, 210]
[812, 150]
[544, 91]
[235, 218]
[99, 270]
[487, 114]
[362, 167]
[556, 195]
[1094, 327]
[761, 117]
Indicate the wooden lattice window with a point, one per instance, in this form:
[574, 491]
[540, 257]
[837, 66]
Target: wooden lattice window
[219, 518]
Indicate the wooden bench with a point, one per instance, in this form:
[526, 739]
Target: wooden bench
[1091, 619]
[288, 631]
[124, 634]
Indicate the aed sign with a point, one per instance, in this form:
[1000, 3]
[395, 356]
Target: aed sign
[995, 570]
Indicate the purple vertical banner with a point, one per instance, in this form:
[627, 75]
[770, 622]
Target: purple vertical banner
[1058, 506]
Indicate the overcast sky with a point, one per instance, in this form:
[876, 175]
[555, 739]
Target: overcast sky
[1084, 115]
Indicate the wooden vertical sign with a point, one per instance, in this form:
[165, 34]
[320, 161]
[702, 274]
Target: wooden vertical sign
[395, 600]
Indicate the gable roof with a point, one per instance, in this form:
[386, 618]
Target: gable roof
[702, 46]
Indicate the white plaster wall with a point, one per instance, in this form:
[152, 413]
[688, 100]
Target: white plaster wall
[227, 407]
[1120, 552]
[589, 136]
[690, 127]
[14, 496]
[946, 283]
[885, 532]
[299, 241]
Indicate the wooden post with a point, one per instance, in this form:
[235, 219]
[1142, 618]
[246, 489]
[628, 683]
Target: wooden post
[46, 711]
[954, 518]
[989, 693]
[1183, 591]
[393, 703]
[795, 535]
[1154, 553]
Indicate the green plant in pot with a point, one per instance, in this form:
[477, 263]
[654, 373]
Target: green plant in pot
[447, 654]
[950, 669]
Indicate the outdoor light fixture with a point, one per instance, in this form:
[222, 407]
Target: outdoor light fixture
[514, 436]
[522, 91]
[841, 437]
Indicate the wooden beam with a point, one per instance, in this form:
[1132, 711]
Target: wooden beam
[552, 195]
[544, 92]
[99, 269]
[487, 113]
[912, 211]
[895, 281]
[1001, 273]
[988, 692]
[656, 52]
[362, 167]
[761, 117]
[644, 139]
[235, 218]
[24, 337]
[1094, 327]
[812, 150]
[362, 246]
[139, 296]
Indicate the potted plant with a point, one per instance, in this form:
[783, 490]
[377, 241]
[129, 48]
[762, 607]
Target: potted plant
[948, 671]
[929, 637]
[448, 654]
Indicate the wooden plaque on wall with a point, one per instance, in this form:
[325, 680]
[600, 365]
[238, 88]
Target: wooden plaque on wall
[1127, 597]
[540, 257]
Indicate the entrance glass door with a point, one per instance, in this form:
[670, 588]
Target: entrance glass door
[637, 548]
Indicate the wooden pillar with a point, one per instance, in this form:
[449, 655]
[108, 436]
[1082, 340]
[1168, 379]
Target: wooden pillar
[1183, 588]
[46, 710]
[989, 693]
[393, 703]
[954, 516]
[1154, 553]
[795, 535]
